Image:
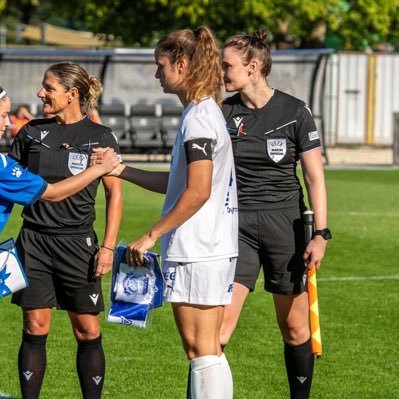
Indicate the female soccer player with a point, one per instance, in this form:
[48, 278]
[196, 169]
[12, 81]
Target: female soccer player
[198, 227]
[57, 244]
[18, 185]
[271, 131]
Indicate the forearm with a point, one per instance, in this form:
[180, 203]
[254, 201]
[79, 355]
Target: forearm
[188, 204]
[153, 181]
[318, 202]
[70, 186]
[113, 216]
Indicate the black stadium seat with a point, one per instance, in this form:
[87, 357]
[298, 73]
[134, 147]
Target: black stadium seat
[171, 114]
[116, 117]
[146, 128]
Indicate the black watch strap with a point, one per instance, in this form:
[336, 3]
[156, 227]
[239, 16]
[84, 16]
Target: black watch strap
[325, 233]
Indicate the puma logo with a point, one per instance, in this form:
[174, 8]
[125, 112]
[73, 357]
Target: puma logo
[198, 147]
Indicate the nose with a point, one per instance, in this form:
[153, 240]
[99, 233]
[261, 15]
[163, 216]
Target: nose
[40, 93]
[7, 121]
[157, 74]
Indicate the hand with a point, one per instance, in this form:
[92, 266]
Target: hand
[137, 249]
[108, 159]
[314, 252]
[103, 262]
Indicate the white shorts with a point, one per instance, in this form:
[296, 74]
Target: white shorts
[199, 283]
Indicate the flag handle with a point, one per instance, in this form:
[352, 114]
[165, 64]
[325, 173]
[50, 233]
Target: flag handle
[314, 320]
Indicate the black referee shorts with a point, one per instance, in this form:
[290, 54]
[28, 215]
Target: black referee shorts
[60, 271]
[272, 240]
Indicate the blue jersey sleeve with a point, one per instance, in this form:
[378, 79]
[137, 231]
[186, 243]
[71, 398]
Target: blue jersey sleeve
[18, 185]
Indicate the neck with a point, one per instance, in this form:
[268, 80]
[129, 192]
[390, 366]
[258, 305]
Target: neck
[256, 96]
[65, 118]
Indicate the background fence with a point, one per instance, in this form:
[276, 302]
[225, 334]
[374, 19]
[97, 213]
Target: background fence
[133, 104]
[353, 95]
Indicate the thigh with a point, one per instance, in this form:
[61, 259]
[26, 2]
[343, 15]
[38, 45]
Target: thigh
[200, 283]
[292, 313]
[77, 289]
[283, 246]
[199, 328]
[248, 262]
[34, 251]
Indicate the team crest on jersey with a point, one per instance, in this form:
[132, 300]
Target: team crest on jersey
[276, 149]
[77, 162]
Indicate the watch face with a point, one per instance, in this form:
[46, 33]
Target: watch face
[325, 233]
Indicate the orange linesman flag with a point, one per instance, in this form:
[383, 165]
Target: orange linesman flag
[314, 320]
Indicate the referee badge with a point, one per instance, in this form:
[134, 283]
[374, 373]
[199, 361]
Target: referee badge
[77, 162]
[276, 149]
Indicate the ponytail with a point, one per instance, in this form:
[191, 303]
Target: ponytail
[199, 48]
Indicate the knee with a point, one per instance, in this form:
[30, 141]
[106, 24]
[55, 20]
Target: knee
[36, 324]
[295, 334]
[86, 334]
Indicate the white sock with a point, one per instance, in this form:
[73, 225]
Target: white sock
[207, 378]
[227, 378]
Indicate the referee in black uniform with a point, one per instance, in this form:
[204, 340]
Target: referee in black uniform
[57, 244]
[271, 132]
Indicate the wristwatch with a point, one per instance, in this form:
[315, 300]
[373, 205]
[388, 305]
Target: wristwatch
[325, 233]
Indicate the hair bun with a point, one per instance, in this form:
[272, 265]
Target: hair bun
[261, 36]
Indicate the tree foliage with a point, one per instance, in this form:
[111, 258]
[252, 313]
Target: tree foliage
[355, 24]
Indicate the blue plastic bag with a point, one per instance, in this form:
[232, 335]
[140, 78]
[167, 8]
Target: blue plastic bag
[134, 290]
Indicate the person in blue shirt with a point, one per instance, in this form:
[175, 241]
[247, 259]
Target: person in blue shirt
[18, 185]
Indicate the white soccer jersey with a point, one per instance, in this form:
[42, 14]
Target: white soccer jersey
[212, 232]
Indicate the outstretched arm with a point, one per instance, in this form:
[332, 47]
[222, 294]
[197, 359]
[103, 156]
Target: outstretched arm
[65, 188]
[153, 181]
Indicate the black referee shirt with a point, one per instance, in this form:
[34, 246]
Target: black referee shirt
[56, 152]
[267, 143]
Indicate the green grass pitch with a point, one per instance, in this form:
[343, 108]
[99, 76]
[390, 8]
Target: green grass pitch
[358, 300]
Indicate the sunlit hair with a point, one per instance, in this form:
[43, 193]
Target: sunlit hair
[199, 48]
[250, 47]
[71, 75]
[3, 94]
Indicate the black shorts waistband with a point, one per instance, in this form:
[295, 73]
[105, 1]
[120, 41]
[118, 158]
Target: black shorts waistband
[59, 231]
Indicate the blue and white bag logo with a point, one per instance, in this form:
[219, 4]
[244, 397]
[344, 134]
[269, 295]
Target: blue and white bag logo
[134, 290]
[12, 276]
[77, 162]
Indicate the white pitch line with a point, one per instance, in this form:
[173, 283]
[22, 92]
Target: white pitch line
[357, 213]
[359, 278]
[4, 395]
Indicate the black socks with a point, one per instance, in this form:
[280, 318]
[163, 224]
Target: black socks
[299, 362]
[90, 364]
[31, 364]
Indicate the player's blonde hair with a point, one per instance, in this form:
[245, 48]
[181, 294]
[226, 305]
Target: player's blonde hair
[71, 75]
[250, 47]
[3, 94]
[199, 48]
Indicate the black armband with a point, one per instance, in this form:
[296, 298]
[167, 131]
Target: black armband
[198, 150]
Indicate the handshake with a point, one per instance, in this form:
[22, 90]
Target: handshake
[108, 160]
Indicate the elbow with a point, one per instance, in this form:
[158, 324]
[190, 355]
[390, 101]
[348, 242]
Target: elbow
[202, 197]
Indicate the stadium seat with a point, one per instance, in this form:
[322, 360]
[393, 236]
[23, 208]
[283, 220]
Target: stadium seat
[171, 114]
[146, 128]
[116, 117]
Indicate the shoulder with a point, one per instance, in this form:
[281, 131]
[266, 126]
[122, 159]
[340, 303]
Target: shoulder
[287, 100]
[232, 100]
